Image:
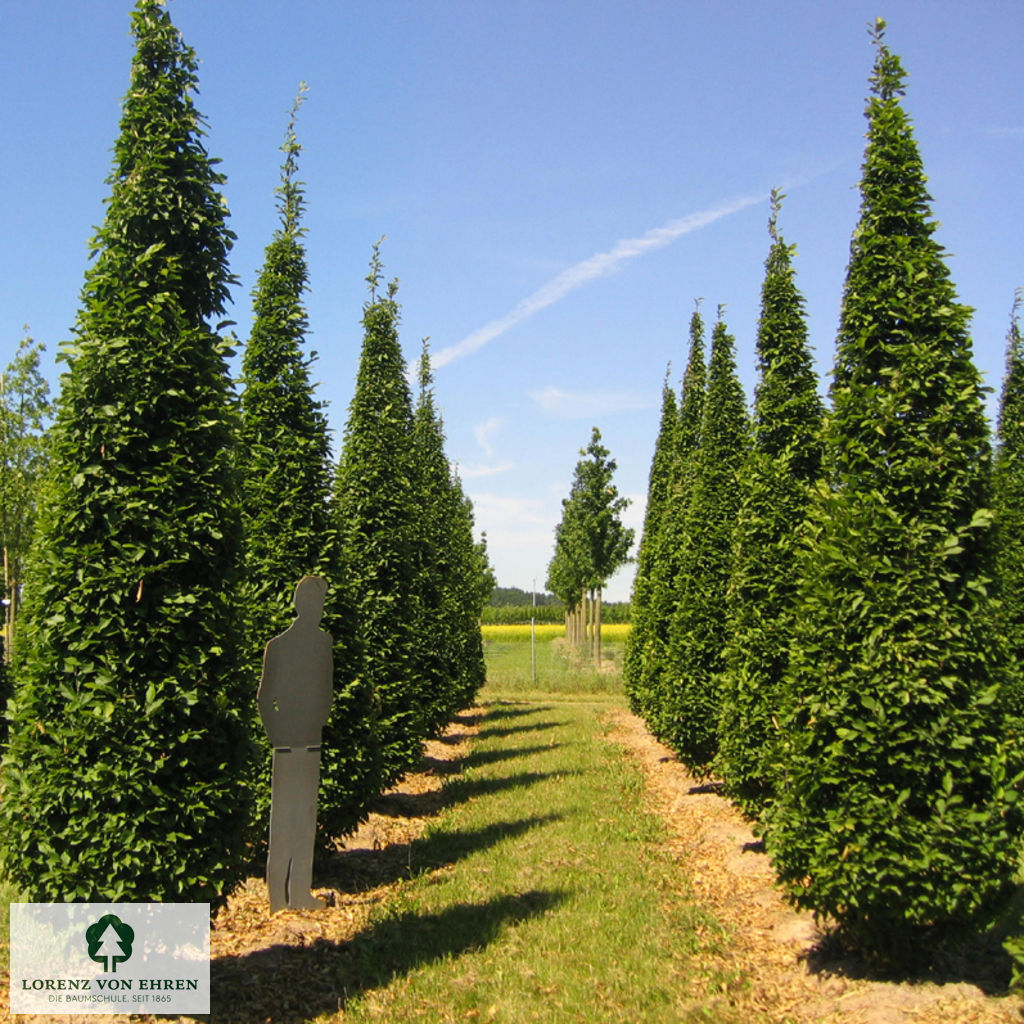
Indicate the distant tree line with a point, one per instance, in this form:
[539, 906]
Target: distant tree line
[501, 596]
[513, 614]
[176, 518]
[828, 609]
[513, 606]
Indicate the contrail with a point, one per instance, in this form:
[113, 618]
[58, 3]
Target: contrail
[600, 265]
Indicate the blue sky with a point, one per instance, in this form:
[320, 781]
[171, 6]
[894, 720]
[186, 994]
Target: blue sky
[557, 181]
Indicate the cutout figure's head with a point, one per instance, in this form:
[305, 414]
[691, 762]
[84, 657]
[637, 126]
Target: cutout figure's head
[309, 597]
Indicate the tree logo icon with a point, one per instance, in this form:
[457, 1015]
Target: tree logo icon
[110, 941]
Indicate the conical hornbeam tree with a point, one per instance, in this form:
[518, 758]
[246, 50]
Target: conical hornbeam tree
[123, 779]
[375, 511]
[897, 808]
[1009, 504]
[286, 485]
[784, 460]
[670, 539]
[448, 568]
[657, 499]
[697, 633]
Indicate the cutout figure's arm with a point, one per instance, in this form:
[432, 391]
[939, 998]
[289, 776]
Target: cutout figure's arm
[266, 696]
[327, 691]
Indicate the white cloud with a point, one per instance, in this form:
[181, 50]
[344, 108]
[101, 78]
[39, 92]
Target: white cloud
[484, 432]
[472, 470]
[599, 265]
[507, 513]
[581, 405]
[633, 517]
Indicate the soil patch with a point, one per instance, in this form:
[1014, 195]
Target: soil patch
[772, 945]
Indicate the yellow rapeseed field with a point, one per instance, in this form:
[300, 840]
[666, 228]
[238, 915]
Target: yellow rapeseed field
[613, 632]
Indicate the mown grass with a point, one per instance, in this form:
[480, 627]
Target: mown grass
[546, 894]
[542, 892]
[559, 670]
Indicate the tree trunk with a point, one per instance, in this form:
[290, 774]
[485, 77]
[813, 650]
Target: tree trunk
[597, 629]
[8, 609]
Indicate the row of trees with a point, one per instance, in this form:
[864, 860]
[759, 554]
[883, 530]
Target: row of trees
[827, 614]
[176, 521]
[591, 543]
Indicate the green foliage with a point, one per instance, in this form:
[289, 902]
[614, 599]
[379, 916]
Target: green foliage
[1008, 481]
[375, 513]
[698, 631]
[565, 576]
[599, 542]
[25, 409]
[1013, 944]
[128, 738]
[284, 450]
[484, 580]
[471, 580]
[5, 688]
[284, 444]
[784, 459]
[649, 697]
[449, 573]
[897, 804]
[590, 541]
[657, 498]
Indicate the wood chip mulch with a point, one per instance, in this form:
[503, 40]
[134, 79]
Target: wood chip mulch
[771, 945]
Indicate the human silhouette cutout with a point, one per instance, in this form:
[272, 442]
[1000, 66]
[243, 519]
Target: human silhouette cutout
[294, 699]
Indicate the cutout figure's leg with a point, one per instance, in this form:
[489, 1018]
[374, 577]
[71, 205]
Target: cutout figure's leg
[278, 858]
[293, 828]
[307, 772]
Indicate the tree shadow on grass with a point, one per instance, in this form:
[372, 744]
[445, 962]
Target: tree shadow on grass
[291, 984]
[477, 758]
[456, 789]
[355, 871]
[463, 788]
[440, 766]
[511, 730]
[513, 709]
[465, 720]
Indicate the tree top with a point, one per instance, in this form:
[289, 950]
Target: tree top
[887, 75]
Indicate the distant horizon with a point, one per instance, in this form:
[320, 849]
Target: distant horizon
[547, 593]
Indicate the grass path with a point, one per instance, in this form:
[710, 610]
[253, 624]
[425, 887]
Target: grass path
[541, 893]
[540, 889]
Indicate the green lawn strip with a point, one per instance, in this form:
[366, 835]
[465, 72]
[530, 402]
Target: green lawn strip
[542, 893]
[559, 670]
